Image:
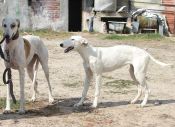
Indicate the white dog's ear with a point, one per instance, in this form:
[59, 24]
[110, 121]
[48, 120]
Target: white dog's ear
[84, 42]
[18, 21]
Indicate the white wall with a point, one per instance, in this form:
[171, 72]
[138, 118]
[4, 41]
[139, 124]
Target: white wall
[20, 9]
[17, 9]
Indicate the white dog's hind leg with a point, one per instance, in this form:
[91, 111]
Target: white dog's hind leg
[86, 84]
[43, 57]
[138, 94]
[30, 72]
[147, 92]
[34, 83]
[141, 79]
[97, 90]
[46, 71]
[131, 70]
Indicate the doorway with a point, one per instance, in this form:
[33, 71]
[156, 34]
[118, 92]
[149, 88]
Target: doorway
[75, 15]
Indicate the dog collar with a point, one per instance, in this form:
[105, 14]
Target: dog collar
[15, 36]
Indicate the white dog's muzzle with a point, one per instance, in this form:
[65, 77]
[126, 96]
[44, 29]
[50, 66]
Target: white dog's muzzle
[69, 45]
[14, 37]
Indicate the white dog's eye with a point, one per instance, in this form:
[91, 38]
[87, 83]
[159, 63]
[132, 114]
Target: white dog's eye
[72, 39]
[12, 25]
[5, 25]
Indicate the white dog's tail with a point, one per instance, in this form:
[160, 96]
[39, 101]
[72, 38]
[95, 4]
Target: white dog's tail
[160, 63]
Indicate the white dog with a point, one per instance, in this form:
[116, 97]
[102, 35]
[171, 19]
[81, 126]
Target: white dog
[104, 59]
[25, 52]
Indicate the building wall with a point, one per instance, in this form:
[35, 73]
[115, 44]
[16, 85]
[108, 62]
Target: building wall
[44, 13]
[17, 9]
[170, 13]
[37, 14]
[50, 14]
[147, 4]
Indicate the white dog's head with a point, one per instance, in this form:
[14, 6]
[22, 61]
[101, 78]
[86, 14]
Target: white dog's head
[10, 27]
[75, 42]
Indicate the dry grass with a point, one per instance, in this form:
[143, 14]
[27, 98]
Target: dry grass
[47, 33]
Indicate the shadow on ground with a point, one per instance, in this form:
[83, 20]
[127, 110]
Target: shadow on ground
[65, 107]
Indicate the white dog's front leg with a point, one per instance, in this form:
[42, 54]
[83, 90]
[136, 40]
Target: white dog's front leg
[22, 96]
[8, 109]
[86, 84]
[97, 90]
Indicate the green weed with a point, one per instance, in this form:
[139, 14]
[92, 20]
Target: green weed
[13, 106]
[144, 37]
[119, 84]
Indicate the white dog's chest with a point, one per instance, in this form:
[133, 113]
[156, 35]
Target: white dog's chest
[14, 56]
[13, 63]
[19, 55]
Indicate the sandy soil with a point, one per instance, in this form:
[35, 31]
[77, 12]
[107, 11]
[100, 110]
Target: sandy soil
[66, 75]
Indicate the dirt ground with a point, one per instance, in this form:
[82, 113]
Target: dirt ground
[66, 75]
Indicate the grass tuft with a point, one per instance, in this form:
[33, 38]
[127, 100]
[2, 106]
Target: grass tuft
[72, 84]
[145, 37]
[13, 106]
[47, 33]
[119, 84]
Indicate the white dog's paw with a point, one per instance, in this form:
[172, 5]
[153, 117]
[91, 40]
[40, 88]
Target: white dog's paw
[33, 99]
[78, 104]
[7, 111]
[132, 102]
[51, 100]
[142, 105]
[21, 112]
[94, 105]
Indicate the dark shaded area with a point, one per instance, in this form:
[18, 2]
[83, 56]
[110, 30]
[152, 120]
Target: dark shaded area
[65, 107]
[75, 15]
